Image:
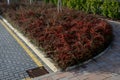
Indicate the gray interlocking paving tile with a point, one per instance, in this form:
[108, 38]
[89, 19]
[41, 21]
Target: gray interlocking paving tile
[14, 61]
[114, 78]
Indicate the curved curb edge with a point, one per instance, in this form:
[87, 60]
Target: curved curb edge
[41, 55]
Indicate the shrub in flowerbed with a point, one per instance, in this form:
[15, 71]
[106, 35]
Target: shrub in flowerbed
[76, 39]
[106, 8]
[69, 38]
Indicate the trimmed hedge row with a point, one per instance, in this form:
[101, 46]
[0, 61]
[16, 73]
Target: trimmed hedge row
[108, 8]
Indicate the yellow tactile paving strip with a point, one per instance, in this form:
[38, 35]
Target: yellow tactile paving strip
[27, 79]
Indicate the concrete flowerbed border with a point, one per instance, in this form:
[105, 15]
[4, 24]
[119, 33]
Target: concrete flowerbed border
[41, 55]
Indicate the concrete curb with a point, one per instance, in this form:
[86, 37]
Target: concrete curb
[39, 53]
[113, 21]
[99, 55]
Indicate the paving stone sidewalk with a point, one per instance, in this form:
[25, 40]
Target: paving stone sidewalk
[14, 61]
[105, 67]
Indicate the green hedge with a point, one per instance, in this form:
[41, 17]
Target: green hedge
[108, 8]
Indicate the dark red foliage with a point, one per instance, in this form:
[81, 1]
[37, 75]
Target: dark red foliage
[68, 38]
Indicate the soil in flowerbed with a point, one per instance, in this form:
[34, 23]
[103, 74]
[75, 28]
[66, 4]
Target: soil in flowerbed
[69, 38]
